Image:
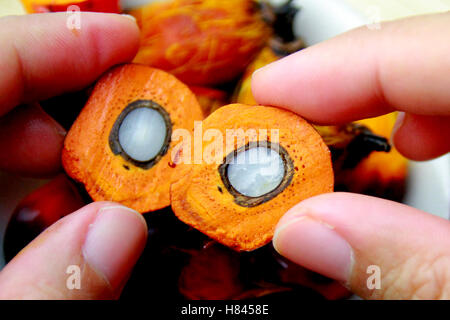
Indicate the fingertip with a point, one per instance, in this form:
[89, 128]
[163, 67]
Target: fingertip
[314, 244]
[69, 57]
[102, 240]
[421, 138]
[261, 83]
[344, 236]
[114, 242]
[363, 74]
[316, 85]
[115, 36]
[103, 40]
[273, 84]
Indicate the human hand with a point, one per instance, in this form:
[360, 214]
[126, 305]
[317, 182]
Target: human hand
[404, 66]
[41, 57]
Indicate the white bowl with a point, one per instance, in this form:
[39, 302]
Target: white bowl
[428, 185]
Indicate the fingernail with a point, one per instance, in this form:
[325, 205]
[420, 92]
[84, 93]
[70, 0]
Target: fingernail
[129, 16]
[114, 243]
[398, 123]
[316, 246]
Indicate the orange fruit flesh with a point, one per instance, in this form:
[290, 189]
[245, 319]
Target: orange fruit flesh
[201, 199]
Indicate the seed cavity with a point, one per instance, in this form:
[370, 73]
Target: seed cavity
[141, 133]
[256, 173]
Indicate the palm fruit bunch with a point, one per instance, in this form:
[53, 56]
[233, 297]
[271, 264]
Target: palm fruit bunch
[214, 46]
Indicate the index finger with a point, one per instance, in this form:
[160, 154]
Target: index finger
[40, 56]
[365, 73]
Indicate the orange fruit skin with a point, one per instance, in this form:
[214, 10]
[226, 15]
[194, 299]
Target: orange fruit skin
[200, 198]
[87, 156]
[201, 42]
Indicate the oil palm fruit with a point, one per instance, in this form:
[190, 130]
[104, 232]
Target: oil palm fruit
[121, 143]
[257, 163]
[38, 210]
[201, 42]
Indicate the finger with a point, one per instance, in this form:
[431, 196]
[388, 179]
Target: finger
[103, 240]
[430, 136]
[41, 57]
[340, 235]
[365, 73]
[31, 142]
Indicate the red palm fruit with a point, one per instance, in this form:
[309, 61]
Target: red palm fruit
[216, 272]
[202, 42]
[211, 274]
[39, 210]
[267, 269]
[41, 6]
[111, 6]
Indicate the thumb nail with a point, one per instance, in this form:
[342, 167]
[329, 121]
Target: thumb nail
[114, 243]
[129, 16]
[261, 70]
[315, 245]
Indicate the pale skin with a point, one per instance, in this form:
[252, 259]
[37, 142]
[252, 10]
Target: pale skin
[404, 64]
[42, 58]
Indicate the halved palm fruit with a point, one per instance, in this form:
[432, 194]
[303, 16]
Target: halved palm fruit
[119, 147]
[257, 163]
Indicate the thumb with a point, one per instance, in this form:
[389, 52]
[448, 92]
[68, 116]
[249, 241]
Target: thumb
[354, 238]
[86, 255]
